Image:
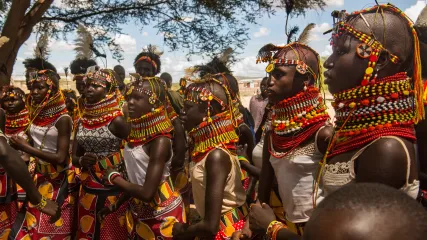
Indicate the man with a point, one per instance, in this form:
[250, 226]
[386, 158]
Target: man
[258, 103]
[121, 73]
[176, 98]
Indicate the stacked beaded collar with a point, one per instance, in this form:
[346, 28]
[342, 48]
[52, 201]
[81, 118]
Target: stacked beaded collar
[218, 132]
[365, 113]
[149, 127]
[425, 93]
[16, 123]
[370, 48]
[47, 112]
[295, 119]
[101, 113]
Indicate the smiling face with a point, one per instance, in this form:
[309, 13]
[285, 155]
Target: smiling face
[145, 69]
[13, 103]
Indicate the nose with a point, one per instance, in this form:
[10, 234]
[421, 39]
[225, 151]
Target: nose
[270, 81]
[328, 64]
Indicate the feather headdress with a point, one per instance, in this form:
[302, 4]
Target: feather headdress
[42, 47]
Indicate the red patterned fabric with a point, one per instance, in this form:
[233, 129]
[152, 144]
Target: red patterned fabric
[8, 212]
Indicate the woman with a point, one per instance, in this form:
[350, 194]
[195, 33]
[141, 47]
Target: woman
[97, 144]
[374, 133]
[16, 123]
[50, 130]
[147, 65]
[298, 117]
[155, 205]
[215, 173]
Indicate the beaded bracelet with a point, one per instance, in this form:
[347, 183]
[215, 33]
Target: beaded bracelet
[109, 176]
[273, 228]
[242, 158]
[42, 204]
[80, 161]
[114, 176]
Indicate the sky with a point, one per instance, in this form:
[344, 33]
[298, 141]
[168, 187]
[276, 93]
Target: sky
[267, 30]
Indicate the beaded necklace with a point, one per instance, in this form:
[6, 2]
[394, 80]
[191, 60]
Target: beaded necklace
[366, 113]
[101, 113]
[150, 126]
[425, 93]
[218, 132]
[296, 119]
[17, 122]
[47, 112]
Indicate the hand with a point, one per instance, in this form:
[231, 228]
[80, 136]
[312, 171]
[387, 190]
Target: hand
[52, 209]
[19, 142]
[105, 211]
[260, 217]
[107, 172]
[242, 151]
[88, 160]
[246, 231]
[179, 228]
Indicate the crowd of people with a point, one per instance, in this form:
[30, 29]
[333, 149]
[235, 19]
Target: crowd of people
[139, 160]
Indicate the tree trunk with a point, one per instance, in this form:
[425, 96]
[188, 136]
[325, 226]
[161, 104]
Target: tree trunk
[17, 28]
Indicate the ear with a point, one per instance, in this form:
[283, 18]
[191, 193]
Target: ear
[383, 61]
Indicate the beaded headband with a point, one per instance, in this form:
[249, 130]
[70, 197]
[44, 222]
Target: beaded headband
[11, 91]
[101, 77]
[138, 85]
[147, 59]
[370, 47]
[42, 76]
[268, 52]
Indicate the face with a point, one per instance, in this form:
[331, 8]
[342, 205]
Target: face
[39, 90]
[138, 104]
[192, 114]
[70, 103]
[145, 69]
[264, 88]
[13, 104]
[27, 77]
[94, 93]
[80, 85]
[345, 69]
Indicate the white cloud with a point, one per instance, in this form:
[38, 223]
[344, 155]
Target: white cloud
[60, 45]
[415, 10]
[247, 67]
[263, 31]
[314, 37]
[127, 42]
[145, 34]
[321, 28]
[327, 52]
[334, 3]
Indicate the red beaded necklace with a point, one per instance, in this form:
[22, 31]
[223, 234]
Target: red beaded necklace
[101, 113]
[296, 119]
[46, 113]
[425, 93]
[17, 122]
[149, 127]
[382, 108]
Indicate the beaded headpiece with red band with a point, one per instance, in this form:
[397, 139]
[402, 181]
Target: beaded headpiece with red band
[11, 91]
[271, 54]
[101, 78]
[370, 48]
[147, 59]
[43, 76]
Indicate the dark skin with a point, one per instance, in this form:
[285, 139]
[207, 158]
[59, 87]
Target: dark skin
[11, 160]
[138, 105]
[80, 85]
[118, 126]
[64, 125]
[121, 73]
[385, 160]
[264, 87]
[217, 169]
[146, 69]
[12, 105]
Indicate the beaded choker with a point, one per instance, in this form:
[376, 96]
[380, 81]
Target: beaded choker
[219, 132]
[150, 126]
[295, 119]
[16, 123]
[101, 113]
[365, 113]
[49, 110]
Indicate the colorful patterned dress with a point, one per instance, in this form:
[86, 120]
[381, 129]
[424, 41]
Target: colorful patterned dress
[8, 203]
[55, 182]
[95, 194]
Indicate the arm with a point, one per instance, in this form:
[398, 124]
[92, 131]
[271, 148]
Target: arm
[323, 138]
[218, 166]
[421, 130]
[267, 173]
[119, 127]
[383, 162]
[158, 159]
[64, 126]
[2, 120]
[246, 137]
[179, 146]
